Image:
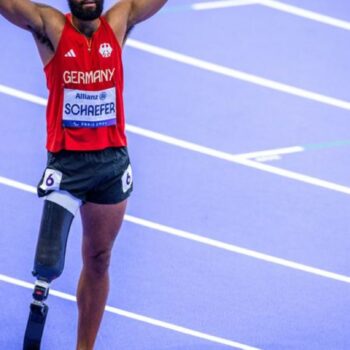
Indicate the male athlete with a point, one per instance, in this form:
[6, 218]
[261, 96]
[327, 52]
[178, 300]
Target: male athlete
[88, 165]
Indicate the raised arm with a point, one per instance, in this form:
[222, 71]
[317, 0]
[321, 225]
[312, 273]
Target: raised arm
[22, 13]
[143, 9]
[44, 22]
[126, 13]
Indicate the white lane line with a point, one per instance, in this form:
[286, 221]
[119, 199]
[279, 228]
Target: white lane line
[272, 152]
[238, 250]
[209, 242]
[297, 11]
[229, 72]
[181, 143]
[16, 184]
[161, 137]
[236, 74]
[276, 5]
[294, 176]
[211, 5]
[23, 95]
[138, 317]
[209, 151]
[238, 159]
[222, 155]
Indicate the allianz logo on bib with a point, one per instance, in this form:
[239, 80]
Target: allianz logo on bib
[82, 96]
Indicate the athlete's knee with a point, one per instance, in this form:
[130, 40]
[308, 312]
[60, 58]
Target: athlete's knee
[97, 263]
[57, 217]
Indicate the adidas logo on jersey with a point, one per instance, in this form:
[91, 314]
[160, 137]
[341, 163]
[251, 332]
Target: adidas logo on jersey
[70, 53]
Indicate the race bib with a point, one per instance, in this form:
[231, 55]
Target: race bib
[89, 109]
[51, 180]
[127, 179]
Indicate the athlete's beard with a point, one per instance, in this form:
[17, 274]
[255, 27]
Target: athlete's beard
[85, 14]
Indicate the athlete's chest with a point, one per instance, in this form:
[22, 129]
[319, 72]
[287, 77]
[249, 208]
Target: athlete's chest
[90, 79]
[83, 60]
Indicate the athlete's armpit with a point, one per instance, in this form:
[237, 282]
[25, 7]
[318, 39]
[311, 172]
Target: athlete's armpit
[53, 23]
[44, 40]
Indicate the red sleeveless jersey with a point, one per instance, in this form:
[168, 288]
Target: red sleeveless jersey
[85, 80]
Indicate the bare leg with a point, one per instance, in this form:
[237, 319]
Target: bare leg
[101, 224]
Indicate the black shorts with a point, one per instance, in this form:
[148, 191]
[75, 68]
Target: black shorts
[103, 177]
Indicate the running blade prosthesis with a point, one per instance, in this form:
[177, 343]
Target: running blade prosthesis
[37, 317]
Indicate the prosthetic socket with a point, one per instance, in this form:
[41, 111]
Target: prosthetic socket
[48, 265]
